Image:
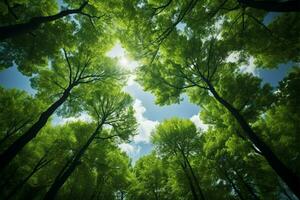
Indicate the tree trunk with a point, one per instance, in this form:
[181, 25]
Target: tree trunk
[236, 190]
[195, 196]
[40, 164]
[248, 187]
[66, 172]
[193, 176]
[290, 178]
[17, 146]
[272, 6]
[34, 23]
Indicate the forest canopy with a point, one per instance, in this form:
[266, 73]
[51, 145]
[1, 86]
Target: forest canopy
[249, 148]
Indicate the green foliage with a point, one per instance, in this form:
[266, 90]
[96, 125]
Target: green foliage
[182, 47]
[14, 116]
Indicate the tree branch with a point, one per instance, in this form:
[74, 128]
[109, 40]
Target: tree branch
[69, 66]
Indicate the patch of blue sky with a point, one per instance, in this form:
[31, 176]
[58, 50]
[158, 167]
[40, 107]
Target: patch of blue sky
[273, 76]
[12, 78]
[160, 113]
[270, 17]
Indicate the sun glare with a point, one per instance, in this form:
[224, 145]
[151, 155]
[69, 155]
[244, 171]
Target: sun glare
[123, 61]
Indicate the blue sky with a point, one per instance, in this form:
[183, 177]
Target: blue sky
[147, 113]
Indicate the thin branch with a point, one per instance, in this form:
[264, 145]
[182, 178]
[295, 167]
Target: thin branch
[69, 66]
[235, 20]
[105, 138]
[209, 56]
[160, 39]
[92, 17]
[260, 23]
[55, 82]
[161, 8]
[174, 86]
[191, 80]
[87, 63]
[211, 15]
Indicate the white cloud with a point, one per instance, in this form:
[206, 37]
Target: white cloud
[250, 67]
[199, 124]
[82, 117]
[247, 68]
[145, 126]
[233, 57]
[128, 148]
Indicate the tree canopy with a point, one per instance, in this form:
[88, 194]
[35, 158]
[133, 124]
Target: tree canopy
[213, 51]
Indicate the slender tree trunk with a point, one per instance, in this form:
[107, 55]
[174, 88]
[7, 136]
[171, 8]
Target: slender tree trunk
[17, 146]
[155, 194]
[248, 187]
[34, 23]
[236, 190]
[194, 193]
[13, 131]
[66, 172]
[290, 178]
[40, 164]
[272, 6]
[194, 176]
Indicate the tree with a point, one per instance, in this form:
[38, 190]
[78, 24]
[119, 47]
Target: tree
[200, 68]
[151, 179]
[106, 110]
[42, 20]
[77, 70]
[248, 32]
[279, 124]
[179, 138]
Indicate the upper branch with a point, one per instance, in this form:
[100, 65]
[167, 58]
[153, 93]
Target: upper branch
[158, 10]
[69, 66]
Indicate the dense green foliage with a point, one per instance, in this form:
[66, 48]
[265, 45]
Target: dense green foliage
[250, 149]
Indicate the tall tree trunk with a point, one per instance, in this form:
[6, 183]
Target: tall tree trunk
[194, 193]
[248, 187]
[290, 178]
[236, 190]
[193, 176]
[32, 132]
[241, 178]
[272, 6]
[66, 172]
[40, 164]
[34, 23]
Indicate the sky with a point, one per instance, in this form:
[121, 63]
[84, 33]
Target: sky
[147, 113]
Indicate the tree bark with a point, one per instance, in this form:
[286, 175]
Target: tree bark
[236, 190]
[248, 187]
[272, 6]
[34, 23]
[66, 172]
[290, 178]
[17, 146]
[194, 193]
[193, 176]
